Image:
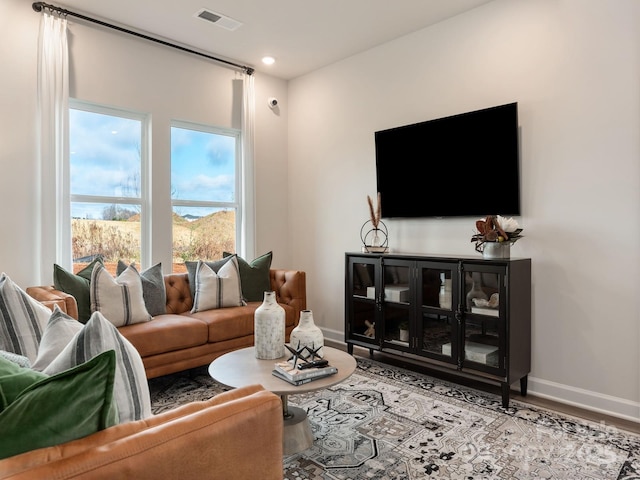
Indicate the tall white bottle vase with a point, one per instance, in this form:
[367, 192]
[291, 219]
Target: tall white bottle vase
[269, 328]
[307, 334]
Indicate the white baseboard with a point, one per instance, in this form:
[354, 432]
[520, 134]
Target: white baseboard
[565, 394]
[586, 399]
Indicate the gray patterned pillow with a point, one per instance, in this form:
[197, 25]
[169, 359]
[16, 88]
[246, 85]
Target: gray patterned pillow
[19, 360]
[119, 299]
[131, 390]
[22, 320]
[153, 289]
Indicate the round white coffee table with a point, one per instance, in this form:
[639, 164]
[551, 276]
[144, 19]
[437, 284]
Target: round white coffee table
[241, 367]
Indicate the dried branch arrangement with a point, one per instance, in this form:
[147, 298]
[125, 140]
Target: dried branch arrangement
[375, 214]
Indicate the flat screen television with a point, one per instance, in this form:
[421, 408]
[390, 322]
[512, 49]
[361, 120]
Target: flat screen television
[458, 166]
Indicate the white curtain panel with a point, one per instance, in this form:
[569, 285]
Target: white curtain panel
[53, 125]
[248, 249]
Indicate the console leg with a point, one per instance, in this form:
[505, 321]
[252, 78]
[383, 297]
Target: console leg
[371, 353]
[505, 395]
[523, 385]
[350, 348]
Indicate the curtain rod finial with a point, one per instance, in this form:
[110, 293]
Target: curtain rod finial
[37, 6]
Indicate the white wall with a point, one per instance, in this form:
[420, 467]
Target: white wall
[573, 67]
[122, 71]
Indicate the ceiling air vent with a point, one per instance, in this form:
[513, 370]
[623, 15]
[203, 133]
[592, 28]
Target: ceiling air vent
[218, 19]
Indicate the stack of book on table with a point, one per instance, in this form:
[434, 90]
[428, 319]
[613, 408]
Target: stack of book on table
[303, 372]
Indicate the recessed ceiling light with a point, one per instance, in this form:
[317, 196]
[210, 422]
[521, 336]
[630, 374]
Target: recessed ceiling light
[268, 60]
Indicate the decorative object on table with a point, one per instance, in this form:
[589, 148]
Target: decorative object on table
[307, 334]
[304, 371]
[306, 355]
[404, 331]
[495, 236]
[444, 296]
[310, 376]
[371, 329]
[374, 233]
[269, 328]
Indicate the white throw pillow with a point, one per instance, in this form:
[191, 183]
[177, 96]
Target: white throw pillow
[59, 331]
[131, 390]
[22, 320]
[119, 299]
[217, 290]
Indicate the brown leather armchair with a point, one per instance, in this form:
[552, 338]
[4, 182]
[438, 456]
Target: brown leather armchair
[235, 435]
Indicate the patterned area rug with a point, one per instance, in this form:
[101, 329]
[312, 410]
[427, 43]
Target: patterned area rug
[386, 422]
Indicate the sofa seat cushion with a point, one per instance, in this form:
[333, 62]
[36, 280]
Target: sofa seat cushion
[235, 322]
[229, 322]
[166, 333]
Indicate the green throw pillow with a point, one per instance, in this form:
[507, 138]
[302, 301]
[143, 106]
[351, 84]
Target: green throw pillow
[14, 379]
[76, 285]
[64, 407]
[254, 276]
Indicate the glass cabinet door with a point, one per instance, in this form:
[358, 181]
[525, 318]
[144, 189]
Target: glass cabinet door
[396, 304]
[362, 302]
[437, 294]
[484, 319]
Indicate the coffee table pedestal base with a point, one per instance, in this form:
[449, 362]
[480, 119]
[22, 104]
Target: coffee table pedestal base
[297, 431]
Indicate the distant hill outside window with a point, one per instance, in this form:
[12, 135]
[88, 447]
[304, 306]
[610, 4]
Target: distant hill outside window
[204, 192]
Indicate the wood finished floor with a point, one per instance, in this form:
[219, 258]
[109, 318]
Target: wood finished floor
[620, 423]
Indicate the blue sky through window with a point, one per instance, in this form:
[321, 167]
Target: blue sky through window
[105, 160]
[202, 166]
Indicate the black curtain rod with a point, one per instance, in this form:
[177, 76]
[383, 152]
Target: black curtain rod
[38, 6]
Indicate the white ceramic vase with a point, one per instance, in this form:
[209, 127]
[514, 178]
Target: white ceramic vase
[307, 334]
[404, 335]
[269, 328]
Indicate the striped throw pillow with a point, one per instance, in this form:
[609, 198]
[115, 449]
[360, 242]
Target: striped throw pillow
[131, 390]
[217, 290]
[22, 320]
[119, 299]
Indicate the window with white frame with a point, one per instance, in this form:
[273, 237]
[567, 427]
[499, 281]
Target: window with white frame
[205, 192]
[107, 188]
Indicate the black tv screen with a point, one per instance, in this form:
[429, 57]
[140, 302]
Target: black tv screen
[462, 165]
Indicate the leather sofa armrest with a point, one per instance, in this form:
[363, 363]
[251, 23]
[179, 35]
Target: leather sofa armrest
[234, 435]
[49, 297]
[291, 288]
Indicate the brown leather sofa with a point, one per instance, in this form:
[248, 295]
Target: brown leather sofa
[235, 435]
[179, 340]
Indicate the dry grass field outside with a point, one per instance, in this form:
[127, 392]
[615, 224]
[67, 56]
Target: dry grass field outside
[205, 238]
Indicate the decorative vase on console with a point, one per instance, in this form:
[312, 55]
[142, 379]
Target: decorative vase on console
[269, 328]
[476, 289]
[444, 295]
[307, 334]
